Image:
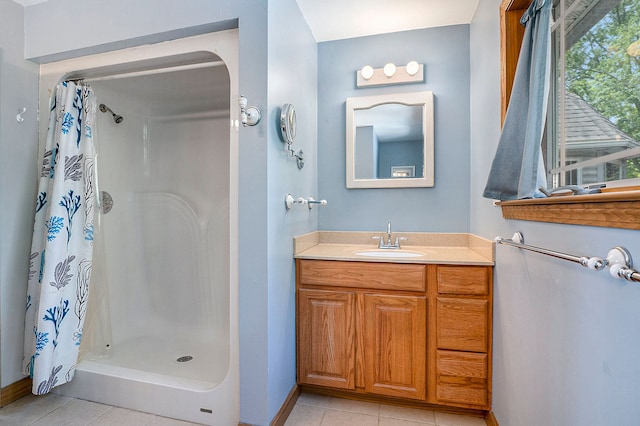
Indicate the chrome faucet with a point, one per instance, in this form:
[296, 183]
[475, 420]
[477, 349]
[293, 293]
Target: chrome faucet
[388, 244]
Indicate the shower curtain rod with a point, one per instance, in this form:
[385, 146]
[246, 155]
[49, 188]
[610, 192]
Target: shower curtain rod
[618, 259]
[117, 75]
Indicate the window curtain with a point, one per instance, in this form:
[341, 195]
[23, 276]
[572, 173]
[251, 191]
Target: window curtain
[517, 170]
[62, 243]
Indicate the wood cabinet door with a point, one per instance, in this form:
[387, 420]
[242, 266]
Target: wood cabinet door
[326, 338]
[395, 345]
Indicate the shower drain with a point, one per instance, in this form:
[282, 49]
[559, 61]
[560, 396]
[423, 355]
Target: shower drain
[185, 358]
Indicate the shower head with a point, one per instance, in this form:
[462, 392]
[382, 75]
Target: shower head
[117, 118]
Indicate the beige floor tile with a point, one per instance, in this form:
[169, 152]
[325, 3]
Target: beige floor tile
[315, 400]
[164, 421]
[122, 417]
[305, 415]
[447, 419]
[411, 414]
[352, 406]
[346, 418]
[30, 409]
[388, 421]
[310, 410]
[75, 413]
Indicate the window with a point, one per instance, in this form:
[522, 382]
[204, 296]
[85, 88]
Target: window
[572, 176]
[610, 209]
[593, 125]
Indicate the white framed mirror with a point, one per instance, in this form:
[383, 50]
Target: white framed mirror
[390, 141]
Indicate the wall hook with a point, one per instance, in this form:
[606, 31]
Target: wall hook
[249, 115]
[19, 117]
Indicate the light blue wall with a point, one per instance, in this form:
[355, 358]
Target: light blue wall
[115, 24]
[445, 207]
[276, 67]
[293, 68]
[18, 155]
[566, 339]
[401, 153]
[366, 152]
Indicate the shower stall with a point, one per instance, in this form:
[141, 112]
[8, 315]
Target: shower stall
[162, 332]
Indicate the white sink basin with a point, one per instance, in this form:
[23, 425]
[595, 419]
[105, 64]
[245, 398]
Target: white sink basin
[387, 253]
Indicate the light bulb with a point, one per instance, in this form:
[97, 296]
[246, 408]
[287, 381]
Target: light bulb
[389, 69]
[367, 72]
[412, 68]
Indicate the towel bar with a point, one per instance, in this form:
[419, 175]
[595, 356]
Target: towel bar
[618, 259]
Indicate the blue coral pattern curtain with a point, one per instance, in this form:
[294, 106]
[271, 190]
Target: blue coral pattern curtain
[62, 244]
[517, 170]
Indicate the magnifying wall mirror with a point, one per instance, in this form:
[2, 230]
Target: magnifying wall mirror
[288, 127]
[390, 141]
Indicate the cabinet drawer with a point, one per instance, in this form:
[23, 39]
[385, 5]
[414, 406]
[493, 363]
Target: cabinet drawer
[462, 324]
[370, 275]
[462, 377]
[469, 280]
[463, 364]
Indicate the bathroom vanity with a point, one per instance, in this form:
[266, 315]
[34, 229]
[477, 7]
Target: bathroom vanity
[412, 324]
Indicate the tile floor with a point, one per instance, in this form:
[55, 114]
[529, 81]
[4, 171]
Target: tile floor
[310, 410]
[317, 410]
[54, 410]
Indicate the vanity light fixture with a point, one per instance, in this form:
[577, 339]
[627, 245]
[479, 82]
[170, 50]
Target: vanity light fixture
[389, 69]
[412, 68]
[367, 72]
[413, 72]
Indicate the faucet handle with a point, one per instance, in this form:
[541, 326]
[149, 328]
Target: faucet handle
[398, 239]
[380, 240]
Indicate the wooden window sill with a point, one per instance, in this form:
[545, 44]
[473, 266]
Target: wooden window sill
[611, 210]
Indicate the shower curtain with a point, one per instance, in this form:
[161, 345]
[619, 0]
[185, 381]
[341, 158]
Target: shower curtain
[62, 244]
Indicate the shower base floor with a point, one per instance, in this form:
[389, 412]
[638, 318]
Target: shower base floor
[153, 360]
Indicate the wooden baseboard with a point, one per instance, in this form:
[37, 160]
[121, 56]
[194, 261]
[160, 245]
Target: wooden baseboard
[283, 414]
[490, 419]
[15, 391]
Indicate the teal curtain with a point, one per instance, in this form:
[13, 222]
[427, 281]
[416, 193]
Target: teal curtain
[62, 242]
[517, 170]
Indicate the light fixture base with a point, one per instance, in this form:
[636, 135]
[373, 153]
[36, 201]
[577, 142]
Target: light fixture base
[401, 76]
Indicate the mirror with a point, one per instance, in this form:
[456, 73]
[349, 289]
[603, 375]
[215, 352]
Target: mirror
[390, 141]
[288, 123]
[288, 127]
